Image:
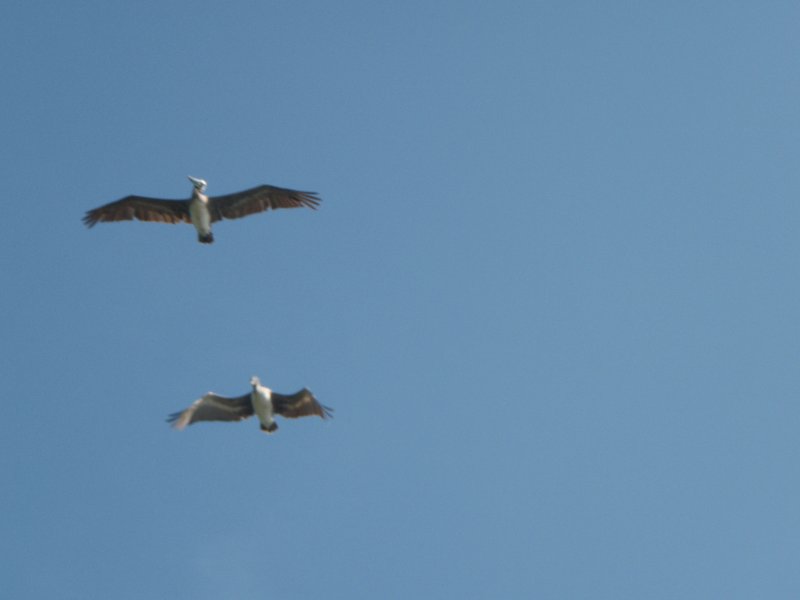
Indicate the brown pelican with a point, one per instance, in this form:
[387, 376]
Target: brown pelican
[261, 401]
[201, 210]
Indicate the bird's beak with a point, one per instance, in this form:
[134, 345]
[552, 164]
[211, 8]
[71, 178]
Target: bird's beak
[199, 183]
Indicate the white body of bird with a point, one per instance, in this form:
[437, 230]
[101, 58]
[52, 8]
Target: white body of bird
[199, 213]
[261, 398]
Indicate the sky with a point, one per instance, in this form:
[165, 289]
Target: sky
[551, 293]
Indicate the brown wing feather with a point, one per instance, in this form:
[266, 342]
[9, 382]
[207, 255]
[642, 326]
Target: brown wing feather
[259, 199]
[212, 407]
[141, 208]
[299, 404]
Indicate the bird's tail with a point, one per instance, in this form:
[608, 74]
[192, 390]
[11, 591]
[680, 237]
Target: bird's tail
[205, 238]
[271, 428]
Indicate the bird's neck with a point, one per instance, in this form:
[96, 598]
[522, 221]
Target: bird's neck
[264, 391]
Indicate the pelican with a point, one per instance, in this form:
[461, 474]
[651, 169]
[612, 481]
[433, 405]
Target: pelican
[261, 401]
[201, 210]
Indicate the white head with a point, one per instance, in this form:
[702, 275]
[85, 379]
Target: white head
[199, 184]
[254, 381]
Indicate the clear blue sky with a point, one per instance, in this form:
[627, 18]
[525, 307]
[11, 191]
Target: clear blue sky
[552, 293]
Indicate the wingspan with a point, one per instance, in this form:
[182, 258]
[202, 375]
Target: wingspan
[259, 199]
[141, 208]
[299, 404]
[212, 407]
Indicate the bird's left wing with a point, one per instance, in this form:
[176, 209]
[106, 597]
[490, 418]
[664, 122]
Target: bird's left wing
[141, 208]
[212, 407]
[259, 199]
[299, 404]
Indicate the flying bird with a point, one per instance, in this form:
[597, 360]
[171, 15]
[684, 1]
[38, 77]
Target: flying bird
[261, 401]
[201, 210]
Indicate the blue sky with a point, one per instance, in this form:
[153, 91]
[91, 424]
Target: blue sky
[552, 294]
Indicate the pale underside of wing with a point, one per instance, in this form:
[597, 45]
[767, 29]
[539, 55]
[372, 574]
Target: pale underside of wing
[212, 407]
[299, 404]
[259, 199]
[141, 208]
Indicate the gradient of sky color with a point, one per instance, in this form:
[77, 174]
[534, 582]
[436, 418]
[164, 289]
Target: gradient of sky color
[552, 294]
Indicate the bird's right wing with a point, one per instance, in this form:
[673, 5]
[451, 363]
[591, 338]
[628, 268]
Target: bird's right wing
[259, 199]
[141, 208]
[212, 407]
[300, 404]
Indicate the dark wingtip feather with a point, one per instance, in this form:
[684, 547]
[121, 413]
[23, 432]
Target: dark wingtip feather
[310, 199]
[327, 411]
[89, 219]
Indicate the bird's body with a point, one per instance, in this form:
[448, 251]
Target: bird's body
[201, 210]
[261, 398]
[201, 216]
[261, 401]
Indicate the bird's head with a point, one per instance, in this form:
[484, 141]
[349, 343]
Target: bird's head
[254, 381]
[199, 184]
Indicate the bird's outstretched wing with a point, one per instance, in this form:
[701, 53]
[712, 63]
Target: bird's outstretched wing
[141, 208]
[259, 199]
[212, 407]
[299, 404]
